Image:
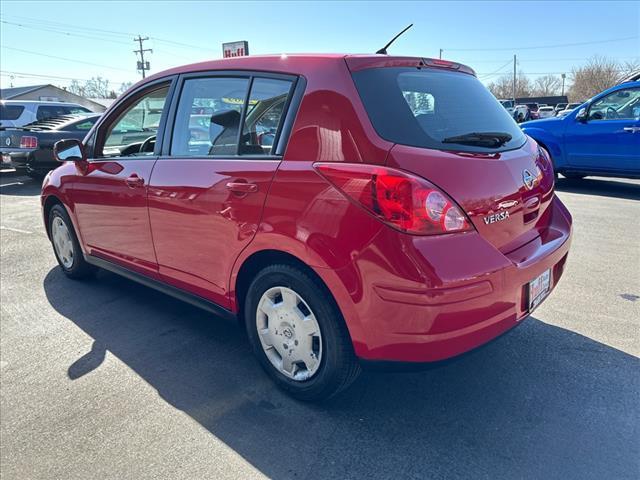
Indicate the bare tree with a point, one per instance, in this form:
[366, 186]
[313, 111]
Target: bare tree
[97, 87]
[503, 87]
[76, 88]
[547, 86]
[597, 75]
[628, 68]
[124, 87]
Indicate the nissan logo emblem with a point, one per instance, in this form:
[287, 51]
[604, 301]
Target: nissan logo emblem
[529, 180]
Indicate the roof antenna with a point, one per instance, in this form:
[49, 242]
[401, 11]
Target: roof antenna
[383, 50]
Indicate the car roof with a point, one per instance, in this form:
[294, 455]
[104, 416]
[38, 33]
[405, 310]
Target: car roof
[302, 63]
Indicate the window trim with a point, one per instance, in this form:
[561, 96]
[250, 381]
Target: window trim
[250, 75]
[122, 105]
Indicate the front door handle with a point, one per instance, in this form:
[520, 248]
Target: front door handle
[134, 181]
[631, 129]
[242, 187]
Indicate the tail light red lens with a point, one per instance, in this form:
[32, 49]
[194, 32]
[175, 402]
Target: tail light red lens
[28, 142]
[405, 202]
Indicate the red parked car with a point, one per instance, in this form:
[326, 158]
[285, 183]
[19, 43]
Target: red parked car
[345, 208]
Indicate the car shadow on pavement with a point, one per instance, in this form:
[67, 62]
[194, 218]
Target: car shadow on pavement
[539, 402]
[19, 185]
[600, 186]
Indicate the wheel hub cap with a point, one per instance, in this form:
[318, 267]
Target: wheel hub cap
[62, 242]
[289, 333]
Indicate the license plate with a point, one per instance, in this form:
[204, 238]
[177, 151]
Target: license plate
[6, 159]
[538, 289]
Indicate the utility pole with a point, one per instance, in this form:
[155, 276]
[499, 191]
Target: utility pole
[563, 77]
[514, 80]
[142, 65]
[440, 54]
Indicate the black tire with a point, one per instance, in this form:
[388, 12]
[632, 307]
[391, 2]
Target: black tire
[338, 365]
[79, 269]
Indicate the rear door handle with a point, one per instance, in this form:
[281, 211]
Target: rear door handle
[134, 181]
[631, 129]
[242, 187]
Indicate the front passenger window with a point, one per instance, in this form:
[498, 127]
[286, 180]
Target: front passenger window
[133, 133]
[620, 105]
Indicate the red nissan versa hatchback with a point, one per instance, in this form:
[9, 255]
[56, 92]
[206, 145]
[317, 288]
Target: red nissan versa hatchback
[346, 208]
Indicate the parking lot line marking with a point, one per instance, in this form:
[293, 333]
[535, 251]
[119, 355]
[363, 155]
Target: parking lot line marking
[17, 230]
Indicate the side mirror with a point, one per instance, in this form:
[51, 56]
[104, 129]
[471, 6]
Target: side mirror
[581, 116]
[69, 151]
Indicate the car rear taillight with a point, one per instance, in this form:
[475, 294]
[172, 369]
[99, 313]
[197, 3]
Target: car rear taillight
[28, 142]
[405, 202]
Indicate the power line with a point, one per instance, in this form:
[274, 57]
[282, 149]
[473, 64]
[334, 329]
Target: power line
[108, 32]
[36, 21]
[574, 59]
[100, 39]
[577, 44]
[552, 73]
[498, 70]
[60, 32]
[63, 58]
[7, 73]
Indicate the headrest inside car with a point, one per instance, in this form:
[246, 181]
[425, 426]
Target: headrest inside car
[226, 118]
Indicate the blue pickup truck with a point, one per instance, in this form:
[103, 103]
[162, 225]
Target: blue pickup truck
[600, 137]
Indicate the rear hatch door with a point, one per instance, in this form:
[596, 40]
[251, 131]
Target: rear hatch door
[449, 129]
[505, 195]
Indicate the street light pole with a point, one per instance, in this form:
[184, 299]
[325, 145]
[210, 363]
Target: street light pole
[563, 77]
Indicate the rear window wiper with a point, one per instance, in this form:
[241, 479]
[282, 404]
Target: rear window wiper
[481, 139]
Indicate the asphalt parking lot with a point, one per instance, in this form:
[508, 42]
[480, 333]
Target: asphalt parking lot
[108, 379]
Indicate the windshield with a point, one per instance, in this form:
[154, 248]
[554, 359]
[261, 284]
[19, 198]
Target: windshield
[422, 108]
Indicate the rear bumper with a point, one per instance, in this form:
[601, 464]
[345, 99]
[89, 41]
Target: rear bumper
[439, 297]
[40, 161]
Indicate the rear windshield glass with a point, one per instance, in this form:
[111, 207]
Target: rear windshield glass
[10, 112]
[421, 108]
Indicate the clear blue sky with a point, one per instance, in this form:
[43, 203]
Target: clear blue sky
[101, 33]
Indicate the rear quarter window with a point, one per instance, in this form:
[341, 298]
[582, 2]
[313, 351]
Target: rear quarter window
[423, 107]
[11, 112]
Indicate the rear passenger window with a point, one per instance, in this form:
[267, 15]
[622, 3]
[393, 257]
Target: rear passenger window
[264, 114]
[209, 116]
[10, 112]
